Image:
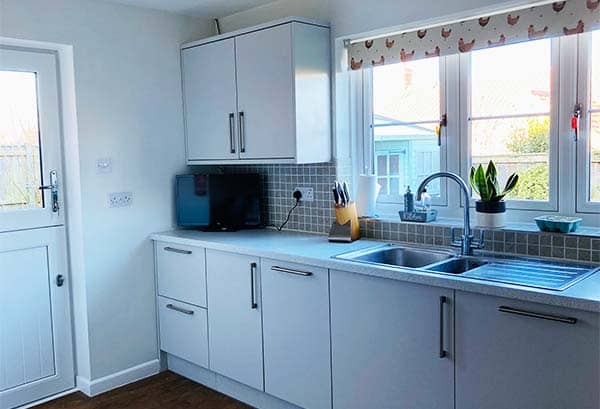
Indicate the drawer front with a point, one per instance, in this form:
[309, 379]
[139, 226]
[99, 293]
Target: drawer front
[181, 273]
[184, 331]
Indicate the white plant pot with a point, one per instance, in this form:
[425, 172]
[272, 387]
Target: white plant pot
[492, 220]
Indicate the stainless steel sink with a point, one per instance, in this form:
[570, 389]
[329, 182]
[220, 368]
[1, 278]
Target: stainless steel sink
[545, 274]
[391, 255]
[457, 265]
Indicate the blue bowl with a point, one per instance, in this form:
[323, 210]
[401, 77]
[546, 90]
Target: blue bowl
[562, 224]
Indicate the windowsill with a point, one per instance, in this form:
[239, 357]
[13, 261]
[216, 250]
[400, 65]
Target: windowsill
[515, 226]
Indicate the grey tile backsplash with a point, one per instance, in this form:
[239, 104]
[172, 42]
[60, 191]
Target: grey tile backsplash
[279, 182]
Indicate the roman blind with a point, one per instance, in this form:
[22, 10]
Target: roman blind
[531, 23]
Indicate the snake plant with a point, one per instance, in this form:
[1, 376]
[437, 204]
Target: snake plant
[485, 183]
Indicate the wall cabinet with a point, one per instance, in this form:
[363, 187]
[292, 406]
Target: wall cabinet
[295, 301]
[391, 344]
[261, 96]
[234, 319]
[514, 354]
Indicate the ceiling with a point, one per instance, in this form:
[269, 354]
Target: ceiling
[199, 8]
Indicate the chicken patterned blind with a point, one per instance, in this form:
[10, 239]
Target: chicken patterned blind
[532, 23]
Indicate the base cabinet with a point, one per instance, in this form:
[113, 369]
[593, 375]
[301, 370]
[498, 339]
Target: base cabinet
[296, 333]
[386, 339]
[514, 354]
[234, 317]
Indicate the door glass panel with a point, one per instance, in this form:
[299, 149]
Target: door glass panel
[20, 167]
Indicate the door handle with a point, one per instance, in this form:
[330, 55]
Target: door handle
[231, 136]
[443, 352]
[242, 131]
[53, 187]
[253, 304]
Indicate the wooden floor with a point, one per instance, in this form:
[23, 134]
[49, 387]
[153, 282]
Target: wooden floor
[163, 391]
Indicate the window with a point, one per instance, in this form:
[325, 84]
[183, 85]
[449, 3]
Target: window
[510, 119]
[20, 173]
[407, 100]
[594, 130]
[510, 104]
[588, 144]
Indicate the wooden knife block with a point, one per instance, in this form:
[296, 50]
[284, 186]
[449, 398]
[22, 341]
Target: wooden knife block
[347, 214]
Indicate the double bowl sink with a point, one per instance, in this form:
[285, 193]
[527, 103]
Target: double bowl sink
[520, 271]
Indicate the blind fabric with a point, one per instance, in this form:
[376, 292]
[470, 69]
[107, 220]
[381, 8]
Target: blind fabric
[532, 23]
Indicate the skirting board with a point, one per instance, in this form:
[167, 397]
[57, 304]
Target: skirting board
[124, 377]
[226, 386]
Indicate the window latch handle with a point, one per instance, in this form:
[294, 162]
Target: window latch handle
[575, 121]
[438, 129]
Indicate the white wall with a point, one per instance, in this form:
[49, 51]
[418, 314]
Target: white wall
[350, 17]
[129, 109]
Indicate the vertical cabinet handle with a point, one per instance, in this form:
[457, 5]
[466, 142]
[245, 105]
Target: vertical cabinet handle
[242, 131]
[253, 304]
[443, 352]
[231, 135]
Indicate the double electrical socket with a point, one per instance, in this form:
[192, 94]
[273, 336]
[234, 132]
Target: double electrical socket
[120, 199]
[307, 194]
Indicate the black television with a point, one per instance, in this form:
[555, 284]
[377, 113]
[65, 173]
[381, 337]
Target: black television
[218, 202]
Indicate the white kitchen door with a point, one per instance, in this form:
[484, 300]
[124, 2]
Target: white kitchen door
[36, 354]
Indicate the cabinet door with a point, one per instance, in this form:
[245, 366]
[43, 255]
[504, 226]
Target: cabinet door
[386, 339]
[265, 93]
[210, 100]
[508, 360]
[234, 317]
[296, 333]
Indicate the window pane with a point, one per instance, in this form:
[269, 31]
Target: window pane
[413, 154]
[595, 158]
[407, 92]
[596, 70]
[20, 173]
[513, 79]
[515, 145]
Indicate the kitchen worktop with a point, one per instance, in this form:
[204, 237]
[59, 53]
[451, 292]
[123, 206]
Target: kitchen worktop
[316, 250]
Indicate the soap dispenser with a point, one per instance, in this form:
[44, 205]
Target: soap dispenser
[409, 200]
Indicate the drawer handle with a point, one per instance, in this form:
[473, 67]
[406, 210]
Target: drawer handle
[181, 310]
[558, 318]
[178, 251]
[289, 271]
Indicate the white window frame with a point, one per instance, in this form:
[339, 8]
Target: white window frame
[465, 143]
[368, 147]
[568, 160]
[584, 205]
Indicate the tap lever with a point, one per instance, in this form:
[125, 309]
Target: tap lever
[481, 242]
[453, 241]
